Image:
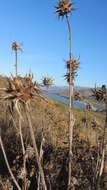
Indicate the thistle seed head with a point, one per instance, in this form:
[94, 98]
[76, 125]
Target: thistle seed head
[72, 67]
[64, 7]
[77, 96]
[100, 94]
[16, 46]
[47, 81]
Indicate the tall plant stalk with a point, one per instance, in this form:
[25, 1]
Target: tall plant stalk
[16, 47]
[23, 150]
[17, 105]
[41, 159]
[16, 61]
[71, 117]
[64, 8]
[35, 148]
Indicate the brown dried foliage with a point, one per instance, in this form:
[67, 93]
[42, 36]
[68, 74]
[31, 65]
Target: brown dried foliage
[21, 89]
[64, 7]
[74, 67]
[100, 93]
[16, 46]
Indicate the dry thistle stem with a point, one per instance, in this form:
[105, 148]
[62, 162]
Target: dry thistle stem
[64, 8]
[16, 47]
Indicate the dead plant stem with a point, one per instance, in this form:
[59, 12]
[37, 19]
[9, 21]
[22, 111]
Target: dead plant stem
[8, 166]
[35, 148]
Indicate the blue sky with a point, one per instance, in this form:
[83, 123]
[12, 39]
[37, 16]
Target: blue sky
[45, 39]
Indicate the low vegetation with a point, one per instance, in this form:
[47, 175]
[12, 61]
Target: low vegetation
[50, 120]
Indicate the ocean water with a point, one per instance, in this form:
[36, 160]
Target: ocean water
[65, 100]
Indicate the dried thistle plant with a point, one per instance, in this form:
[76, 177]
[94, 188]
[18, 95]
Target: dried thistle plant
[73, 70]
[64, 7]
[16, 46]
[100, 95]
[22, 91]
[77, 96]
[47, 82]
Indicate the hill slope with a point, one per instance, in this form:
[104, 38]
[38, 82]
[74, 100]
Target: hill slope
[52, 118]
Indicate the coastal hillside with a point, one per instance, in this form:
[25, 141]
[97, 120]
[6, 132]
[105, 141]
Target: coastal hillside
[50, 121]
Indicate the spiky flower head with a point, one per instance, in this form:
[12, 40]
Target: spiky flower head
[21, 89]
[100, 94]
[77, 96]
[64, 7]
[47, 81]
[72, 69]
[16, 46]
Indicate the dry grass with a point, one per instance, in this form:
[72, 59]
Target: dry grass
[55, 117]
